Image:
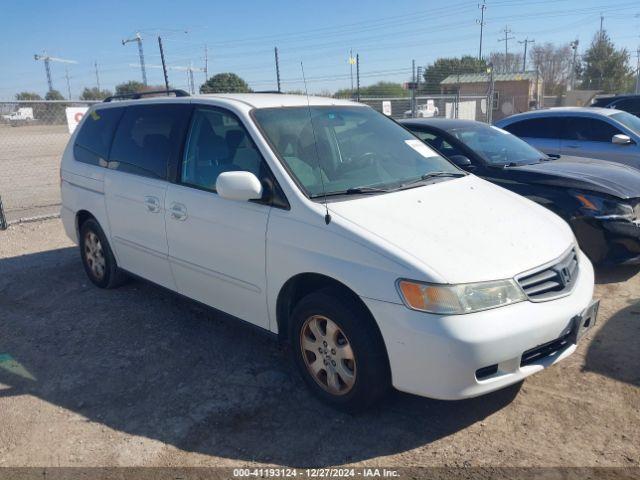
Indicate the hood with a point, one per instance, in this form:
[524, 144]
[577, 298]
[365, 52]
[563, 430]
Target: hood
[587, 174]
[463, 230]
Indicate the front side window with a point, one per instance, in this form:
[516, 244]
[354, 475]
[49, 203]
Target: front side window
[217, 143]
[335, 149]
[147, 137]
[586, 129]
[94, 138]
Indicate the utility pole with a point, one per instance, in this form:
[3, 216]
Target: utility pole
[206, 63]
[507, 31]
[138, 39]
[351, 68]
[95, 64]
[47, 59]
[601, 25]
[277, 68]
[164, 65]
[481, 22]
[638, 72]
[66, 76]
[357, 77]
[491, 94]
[413, 88]
[574, 47]
[526, 42]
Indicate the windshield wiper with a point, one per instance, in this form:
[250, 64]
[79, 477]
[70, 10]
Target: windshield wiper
[428, 176]
[353, 191]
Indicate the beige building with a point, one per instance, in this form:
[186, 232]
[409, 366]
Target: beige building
[513, 92]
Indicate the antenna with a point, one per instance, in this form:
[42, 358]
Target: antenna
[327, 217]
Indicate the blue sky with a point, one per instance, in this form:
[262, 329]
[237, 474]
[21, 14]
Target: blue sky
[240, 36]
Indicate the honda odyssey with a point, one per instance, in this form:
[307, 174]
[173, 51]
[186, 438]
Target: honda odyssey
[322, 221]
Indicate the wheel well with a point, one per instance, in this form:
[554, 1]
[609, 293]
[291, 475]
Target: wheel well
[81, 217]
[303, 284]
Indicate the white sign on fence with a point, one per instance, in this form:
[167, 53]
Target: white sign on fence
[386, 107]
[74, 115]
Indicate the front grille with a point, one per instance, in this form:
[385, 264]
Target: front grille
[552, 281]
[546, 350]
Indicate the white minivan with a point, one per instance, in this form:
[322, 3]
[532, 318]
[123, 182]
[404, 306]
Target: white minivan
[322, 221]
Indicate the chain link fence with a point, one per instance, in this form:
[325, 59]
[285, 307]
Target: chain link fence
[33, 135]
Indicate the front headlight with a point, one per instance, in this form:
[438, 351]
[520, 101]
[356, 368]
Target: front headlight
[459, 299]
[603, 208]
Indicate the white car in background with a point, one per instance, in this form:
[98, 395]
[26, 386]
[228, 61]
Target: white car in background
[428, 110]
[322, 221]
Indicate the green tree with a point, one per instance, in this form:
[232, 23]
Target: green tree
[132, 86]
[380, 89]
[54, 112]
[443, 67]
[605, 67]
[225, 83]
[94, 93]
[28, 96]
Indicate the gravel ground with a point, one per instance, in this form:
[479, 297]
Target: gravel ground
[140, 377]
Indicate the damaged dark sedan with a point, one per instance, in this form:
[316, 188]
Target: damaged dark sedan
[599, 199]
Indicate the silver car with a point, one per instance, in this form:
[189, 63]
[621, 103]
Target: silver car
[603, 133]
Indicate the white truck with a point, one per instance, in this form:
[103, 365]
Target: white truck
[22, 115]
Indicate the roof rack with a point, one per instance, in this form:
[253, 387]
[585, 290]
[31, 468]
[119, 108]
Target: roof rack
[268, 91]
[138, 95]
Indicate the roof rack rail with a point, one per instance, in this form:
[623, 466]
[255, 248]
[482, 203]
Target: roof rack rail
[138, 95]
[268, 91]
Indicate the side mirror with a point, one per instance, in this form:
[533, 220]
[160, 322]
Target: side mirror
[461, 161]
[239, 186]
[621, 139]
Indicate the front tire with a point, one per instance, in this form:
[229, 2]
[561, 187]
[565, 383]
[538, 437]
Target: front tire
[338, 350]
[97, 258]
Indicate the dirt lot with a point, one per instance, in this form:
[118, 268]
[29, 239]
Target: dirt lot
[30, 163]
[138, 376]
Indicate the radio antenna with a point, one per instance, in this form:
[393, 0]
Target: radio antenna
[327, 216]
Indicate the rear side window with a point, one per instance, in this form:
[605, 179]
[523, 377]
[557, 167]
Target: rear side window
[537, 128]
[590, 130]
[94, 138]
[147, 137]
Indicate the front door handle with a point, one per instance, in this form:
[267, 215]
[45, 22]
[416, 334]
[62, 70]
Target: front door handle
[178, 211]
[152, 204]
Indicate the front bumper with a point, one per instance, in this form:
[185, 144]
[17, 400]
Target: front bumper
[438, 356]
[608, 241]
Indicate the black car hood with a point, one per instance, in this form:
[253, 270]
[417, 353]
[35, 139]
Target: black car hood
[587, 174]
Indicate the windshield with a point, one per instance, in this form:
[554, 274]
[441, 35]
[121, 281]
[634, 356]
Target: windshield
[496, 146]
[630, 121]
[347, 148]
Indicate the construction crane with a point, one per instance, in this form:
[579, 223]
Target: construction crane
[190, 69]
[138, 39]
[47, 59]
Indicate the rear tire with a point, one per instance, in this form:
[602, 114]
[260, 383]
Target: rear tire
[338, 351]
[97, 257]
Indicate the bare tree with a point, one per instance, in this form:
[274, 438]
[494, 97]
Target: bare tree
[512, 63]
[554, 63]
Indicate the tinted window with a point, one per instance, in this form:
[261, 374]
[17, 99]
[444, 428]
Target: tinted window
[589, 130]
[630, 121]
[537, 128]
[94, 138]
[217, 143]
[631, 105]
[147, 137]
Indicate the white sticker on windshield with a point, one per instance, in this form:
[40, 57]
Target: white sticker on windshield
[421, 148]
[504, 132]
